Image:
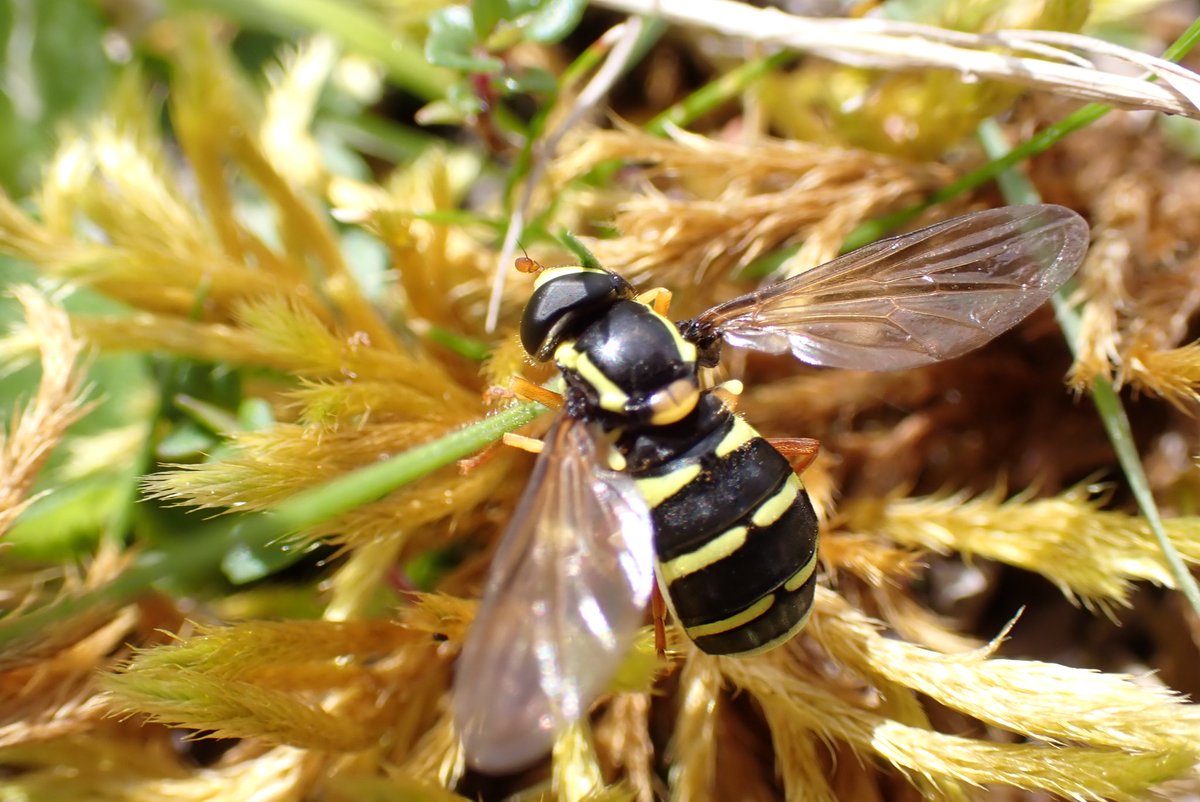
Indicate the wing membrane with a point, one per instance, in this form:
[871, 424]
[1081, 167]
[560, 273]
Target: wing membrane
[563, 602]
[911, 300]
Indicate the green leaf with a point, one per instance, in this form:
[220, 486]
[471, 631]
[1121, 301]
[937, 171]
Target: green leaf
[534, 80]
[485, 14]
[452, 42]
[554, 20]
[69, 521]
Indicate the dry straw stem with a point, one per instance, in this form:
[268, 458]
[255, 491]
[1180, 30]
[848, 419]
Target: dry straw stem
[782, 192]
[1034, 58]
[1091, 554]
[33, 431]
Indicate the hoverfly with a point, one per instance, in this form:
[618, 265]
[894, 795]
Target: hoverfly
[645, 476]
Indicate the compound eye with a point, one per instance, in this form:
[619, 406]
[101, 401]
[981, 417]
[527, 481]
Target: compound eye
[567, 299]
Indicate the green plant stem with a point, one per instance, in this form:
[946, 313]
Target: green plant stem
[202, 551]
[1018, 189]
[716, 92]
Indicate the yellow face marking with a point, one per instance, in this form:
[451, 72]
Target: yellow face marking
[566, 270]
[770, 510]
[739, 434]
[657, 489]
[714, 550]
[801, 576]
[734, 621]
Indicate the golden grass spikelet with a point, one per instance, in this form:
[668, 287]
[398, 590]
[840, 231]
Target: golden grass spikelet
[394, 788]
[918, 624]
[285, 135]
[874, 561]
[437, 757]
[443, 271]
[279, 775]
[1172, 374]
[797, 758]
[1103, 296]
[623, 736]
[1092, 555]
[783, 192]
[56, 694]
[33, 431]
[1042, 701]
[251, 680]
[575, 769]
[271, 465]
[1077, 773]
[693, 747]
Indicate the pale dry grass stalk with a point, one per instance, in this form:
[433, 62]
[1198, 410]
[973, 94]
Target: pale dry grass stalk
[893, 45]
[34, 430]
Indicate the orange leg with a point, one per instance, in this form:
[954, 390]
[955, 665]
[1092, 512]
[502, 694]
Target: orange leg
[800, 451]
[658, 299]
[658, 609]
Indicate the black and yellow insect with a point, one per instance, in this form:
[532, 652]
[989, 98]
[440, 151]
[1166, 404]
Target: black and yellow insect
[647, 476]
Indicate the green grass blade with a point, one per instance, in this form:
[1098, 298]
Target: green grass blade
[203, 550]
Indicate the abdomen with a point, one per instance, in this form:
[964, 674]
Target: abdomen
[736, 535]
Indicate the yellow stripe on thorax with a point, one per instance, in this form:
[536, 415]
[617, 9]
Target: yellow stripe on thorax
[713, 551]
[609, 396]
[734, 621]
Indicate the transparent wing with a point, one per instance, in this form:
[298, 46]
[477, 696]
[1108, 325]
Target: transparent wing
[564, 600]
[913, 299]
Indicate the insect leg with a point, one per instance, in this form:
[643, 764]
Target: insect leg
[658, 299]
[800, 451]
[658, 610]
[530, 444]
[523, 388]
[728, 392]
